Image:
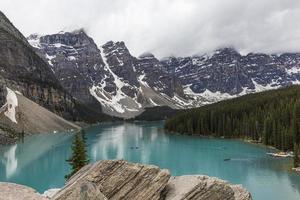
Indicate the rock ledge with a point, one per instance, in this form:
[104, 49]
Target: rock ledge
[121, 180]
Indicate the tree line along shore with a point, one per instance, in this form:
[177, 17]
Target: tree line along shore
[271, 118]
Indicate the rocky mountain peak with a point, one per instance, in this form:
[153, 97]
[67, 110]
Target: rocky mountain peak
[115, 47]
[76, 38]
[75, 60]
[117, 54]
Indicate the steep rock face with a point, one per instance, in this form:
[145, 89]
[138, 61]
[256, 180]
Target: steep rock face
[156, 77]
[122, 64]
[22, 70]
[9, 27]
[75, 60]
[143, 78]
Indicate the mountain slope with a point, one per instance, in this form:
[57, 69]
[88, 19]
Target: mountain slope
[21, 69]
[17, 116]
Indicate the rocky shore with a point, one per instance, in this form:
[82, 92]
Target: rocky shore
[121, 180]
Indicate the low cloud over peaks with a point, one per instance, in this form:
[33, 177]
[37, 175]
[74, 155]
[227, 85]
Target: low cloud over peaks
[168, 27]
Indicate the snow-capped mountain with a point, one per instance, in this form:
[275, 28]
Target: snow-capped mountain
[124, 84]
[225, 73]
[32, 98]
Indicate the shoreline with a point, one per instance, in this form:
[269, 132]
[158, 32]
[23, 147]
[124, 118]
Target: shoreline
[249, 141]
[259, 144]
[288, 167]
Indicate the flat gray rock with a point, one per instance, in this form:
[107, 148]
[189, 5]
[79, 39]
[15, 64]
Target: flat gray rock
[11, 191]
[194, 187]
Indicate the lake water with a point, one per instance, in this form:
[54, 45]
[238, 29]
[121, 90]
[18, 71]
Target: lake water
[39, 161]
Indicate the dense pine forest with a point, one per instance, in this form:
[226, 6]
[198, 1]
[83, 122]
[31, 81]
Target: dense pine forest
[271, 117]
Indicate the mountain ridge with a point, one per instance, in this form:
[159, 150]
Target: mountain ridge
[117, 80]
[129, 84]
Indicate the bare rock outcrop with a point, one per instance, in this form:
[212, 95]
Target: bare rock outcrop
[194, 187]
[118, 180]
[121, 180]
[11, 191]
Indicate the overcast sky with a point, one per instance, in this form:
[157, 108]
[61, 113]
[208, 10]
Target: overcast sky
[167, 27]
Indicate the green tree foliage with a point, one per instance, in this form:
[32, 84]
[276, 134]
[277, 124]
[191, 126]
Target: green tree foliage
[296, 156]
[269, 117]
[296, 132]
[79, 157]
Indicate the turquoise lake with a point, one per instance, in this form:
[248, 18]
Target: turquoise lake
[39, 161]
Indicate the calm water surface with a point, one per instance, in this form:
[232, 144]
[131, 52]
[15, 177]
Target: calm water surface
[39, 161]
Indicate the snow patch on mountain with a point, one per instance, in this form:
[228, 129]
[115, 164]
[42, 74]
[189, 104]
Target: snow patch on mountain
[208, 97]
[113, 102]
[261, 88]
[34, 40]
[153, 103]
[205, 97]
[9, 107]
[293, 70]
[116, 101]
[181, 102]
[49, 59]
[142, 81]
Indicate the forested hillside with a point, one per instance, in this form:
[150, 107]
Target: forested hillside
[271, 117]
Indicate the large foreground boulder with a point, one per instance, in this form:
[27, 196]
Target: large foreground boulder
[117, 180]
[121, 180]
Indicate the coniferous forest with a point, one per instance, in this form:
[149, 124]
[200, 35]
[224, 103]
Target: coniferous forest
[271, 117]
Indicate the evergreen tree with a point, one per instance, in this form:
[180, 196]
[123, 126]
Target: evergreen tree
[296, 158]
[296, 132]
[267, 131]
[79, 157]
[271, 117]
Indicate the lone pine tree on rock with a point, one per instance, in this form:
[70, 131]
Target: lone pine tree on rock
[79, 157]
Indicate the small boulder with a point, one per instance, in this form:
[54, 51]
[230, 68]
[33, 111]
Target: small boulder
[12, 191]
[194, 187]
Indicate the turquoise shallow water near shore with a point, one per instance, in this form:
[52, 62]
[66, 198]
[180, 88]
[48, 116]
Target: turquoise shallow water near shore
[39, 161]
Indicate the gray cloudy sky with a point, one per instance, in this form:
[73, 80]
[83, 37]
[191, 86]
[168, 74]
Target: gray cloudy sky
[167, 27]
